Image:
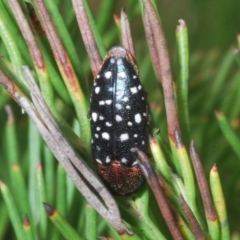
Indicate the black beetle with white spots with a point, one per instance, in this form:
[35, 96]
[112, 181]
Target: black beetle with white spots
[119, 122]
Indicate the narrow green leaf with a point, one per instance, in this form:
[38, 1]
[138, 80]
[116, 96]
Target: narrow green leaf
[49, 173]
[91, 223]
[182, 83]
[159, 158]
[34, 151]
[103, 19]
[11, 138]
[141, 206]
[27, 227]
[232, 110]
[4, 220]
[19, 190]
[222, 73]
[219, 203]
[61, 191]
[189, 189]
[96, 34]
[229, 134]
[61, 223]
[12, 211]
[186, 232]
[41, 197]
[13, 52]
[4, 97]
[14, 31]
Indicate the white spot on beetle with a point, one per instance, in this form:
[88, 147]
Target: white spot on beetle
[108, 124]
[134, 76]
[133, 90]
[118, 106]
[143, 142]
[144, 114]
[135, 135]
[142, 98]
[125, 99]
[138, 118]
[101, 102]
[97, 90]
[118, 118]
[108, 160]
[119, 61]
[101, 118]
[135, 163]
[122, 74]
[124, 137]
[98, 160]
[92, 141]
[98, 128]
[98, 76]
[94, 116]
[96, 135]
[124, 160]
[129, 123]
[112, 60]
[108, 74]
[119, 95]
[105, 135]
[108, 102]
[110, 89]
[98, 148]
[139, 87]
[128, 107]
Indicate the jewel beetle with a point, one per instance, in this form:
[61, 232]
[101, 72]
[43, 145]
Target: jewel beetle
[119, 121]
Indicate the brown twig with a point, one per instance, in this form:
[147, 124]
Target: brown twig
[178, 140]
[126, 33]
[158, 49]
[152, 179]
[195, 227]
[9, 86]
[203, 185]
[34, 50]
[87, 35]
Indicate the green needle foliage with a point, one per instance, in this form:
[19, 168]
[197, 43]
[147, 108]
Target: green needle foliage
[200, 181]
